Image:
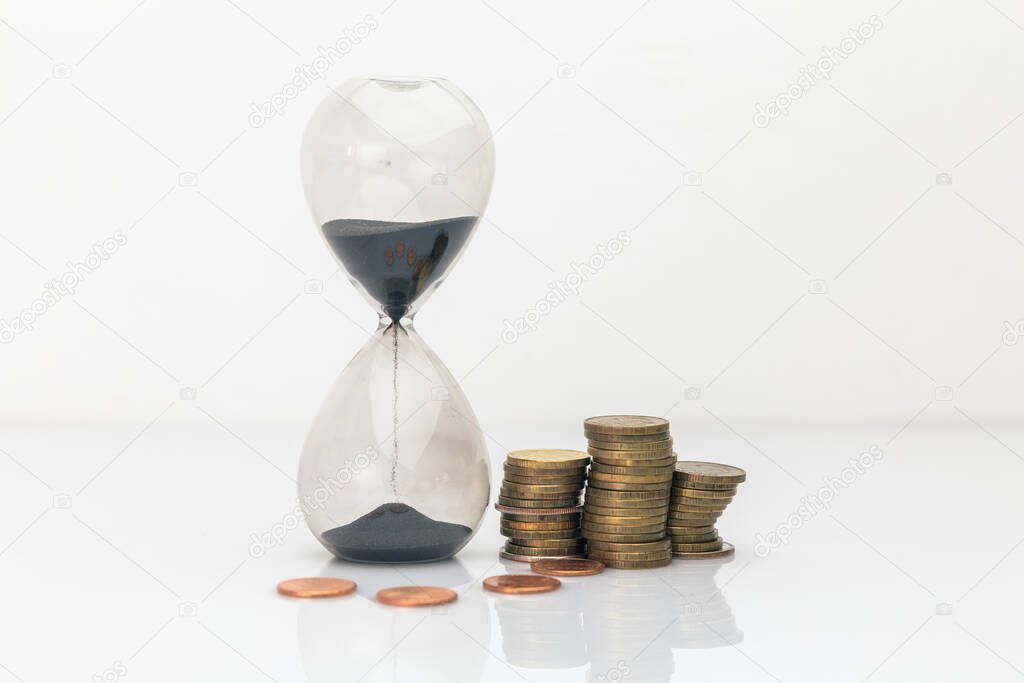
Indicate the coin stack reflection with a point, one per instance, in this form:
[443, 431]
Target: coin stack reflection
[542, 631]
[625, 615]
[539, 503]
[705, 617]
[700, 493]
[626, 506]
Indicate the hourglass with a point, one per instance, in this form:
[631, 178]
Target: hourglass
[396, 172]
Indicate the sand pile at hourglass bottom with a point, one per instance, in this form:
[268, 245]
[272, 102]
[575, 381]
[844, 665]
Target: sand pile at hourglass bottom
[395, 532]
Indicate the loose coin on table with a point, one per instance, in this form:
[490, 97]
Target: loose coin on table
[316, 587]
[567, 567]
[416, 596]
[518, 584]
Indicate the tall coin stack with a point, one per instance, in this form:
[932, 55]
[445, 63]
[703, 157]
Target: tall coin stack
[700, 493]
[539, 503]
[626, 506]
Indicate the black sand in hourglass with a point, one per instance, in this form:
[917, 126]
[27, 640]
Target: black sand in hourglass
[395, 532]
[396, 263]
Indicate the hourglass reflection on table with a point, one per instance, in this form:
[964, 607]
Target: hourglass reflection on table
[397, 172]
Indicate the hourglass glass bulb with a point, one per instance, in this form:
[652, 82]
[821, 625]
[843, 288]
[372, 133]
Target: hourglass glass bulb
[396, 171]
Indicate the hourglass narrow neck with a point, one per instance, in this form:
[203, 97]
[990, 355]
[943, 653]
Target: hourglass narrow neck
[386, 322]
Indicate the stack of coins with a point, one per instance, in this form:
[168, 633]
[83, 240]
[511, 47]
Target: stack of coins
[626, 508]
[700, 493]
[539, 503]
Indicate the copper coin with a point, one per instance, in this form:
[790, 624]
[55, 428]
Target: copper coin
[567, 567]
[416, 596]
[518, 584]
[316, 587]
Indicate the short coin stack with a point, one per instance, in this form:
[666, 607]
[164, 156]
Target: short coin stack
[626, 507]
[539, 503]
[700, 493]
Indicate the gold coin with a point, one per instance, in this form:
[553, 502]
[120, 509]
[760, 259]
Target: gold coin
[516, 549]
[616, 520]
[602, 454]
[540, 517]
[629, 556]
[638, 471]
[549, 503]
[677, 524]
[543, 480]
[519, 534]
[699, 508]
[697, 547]
[726, 549]
[637, 564]
[628, 438]
[726, 494]
[591, 509]
[630, 529]
[538, 492]
[547, 458]
[540, 526]
[546, 513]
[601, 500]
[575, 471]
[667, 461]
[615, 445]
[627, 486]
[623, 538]
[625, 424]
[682, 530]
[567, 567]
[711, 472]
[505, 555]
[631, 478]
[574, 542]
[693, 538]
[679, 482]
[663, 544]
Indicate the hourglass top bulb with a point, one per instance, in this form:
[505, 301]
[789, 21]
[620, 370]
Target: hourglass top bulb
[397, 171]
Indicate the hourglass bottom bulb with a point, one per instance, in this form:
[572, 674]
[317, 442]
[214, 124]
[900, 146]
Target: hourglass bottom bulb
[395, 532]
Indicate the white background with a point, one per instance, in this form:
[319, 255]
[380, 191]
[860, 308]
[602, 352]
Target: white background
[841, 278]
